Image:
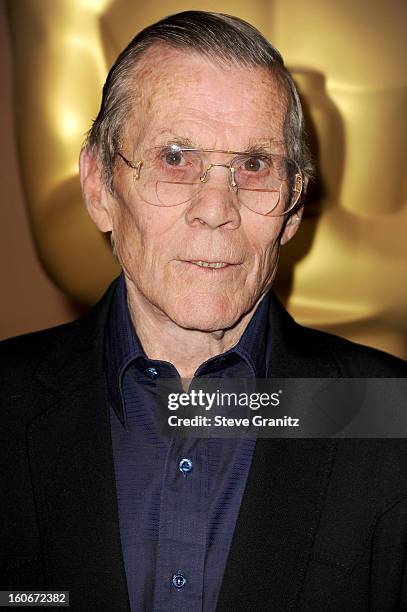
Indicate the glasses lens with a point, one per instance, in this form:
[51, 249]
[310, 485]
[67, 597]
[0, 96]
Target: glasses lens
[266, 183]
[260, 171]
[170, 176]
[171, 194]
[264, 202]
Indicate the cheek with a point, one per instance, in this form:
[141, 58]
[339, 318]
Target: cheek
[142, 236]
[129, 234]
[264, 241]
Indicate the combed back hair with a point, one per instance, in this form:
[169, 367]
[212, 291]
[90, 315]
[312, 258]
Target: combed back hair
[221, 38]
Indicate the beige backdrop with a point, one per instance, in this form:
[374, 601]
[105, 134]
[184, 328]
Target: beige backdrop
[29, 301]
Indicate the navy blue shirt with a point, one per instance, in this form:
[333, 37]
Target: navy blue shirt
[178, 499]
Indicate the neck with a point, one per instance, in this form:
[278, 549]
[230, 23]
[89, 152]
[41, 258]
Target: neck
[162, 339]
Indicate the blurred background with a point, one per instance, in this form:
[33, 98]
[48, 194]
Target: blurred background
[345, 272]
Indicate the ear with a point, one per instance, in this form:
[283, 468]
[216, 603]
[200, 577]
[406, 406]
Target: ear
[291, 226]
[94, 191]
[293, 222]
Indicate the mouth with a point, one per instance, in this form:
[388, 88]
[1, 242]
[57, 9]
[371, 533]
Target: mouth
[210, 265]
[207, 264]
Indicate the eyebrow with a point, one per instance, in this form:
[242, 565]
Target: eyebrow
[267, 144]
[263, 145]
[181, 141]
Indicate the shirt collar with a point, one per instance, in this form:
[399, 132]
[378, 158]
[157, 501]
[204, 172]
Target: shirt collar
[123, 347]
[254, 345]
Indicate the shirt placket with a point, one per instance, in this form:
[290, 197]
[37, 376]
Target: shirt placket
[182, 543]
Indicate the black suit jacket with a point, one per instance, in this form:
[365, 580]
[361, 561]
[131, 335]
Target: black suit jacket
[322, 525]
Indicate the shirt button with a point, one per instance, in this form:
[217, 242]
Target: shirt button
[179, 580]
[152, 373]
[185, 466]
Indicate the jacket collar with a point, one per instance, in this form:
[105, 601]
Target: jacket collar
[78, 349]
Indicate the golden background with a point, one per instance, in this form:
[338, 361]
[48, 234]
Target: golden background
[345, 271]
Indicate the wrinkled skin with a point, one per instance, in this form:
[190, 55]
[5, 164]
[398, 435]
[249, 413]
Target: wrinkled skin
[171, 298]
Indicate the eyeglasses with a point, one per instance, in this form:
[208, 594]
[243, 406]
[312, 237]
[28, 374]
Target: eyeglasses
[267, 184]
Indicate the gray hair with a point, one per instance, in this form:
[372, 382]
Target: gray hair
[221, 38]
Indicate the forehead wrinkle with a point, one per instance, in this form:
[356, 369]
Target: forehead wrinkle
[156, 82]
[151, 85]
[143, 87]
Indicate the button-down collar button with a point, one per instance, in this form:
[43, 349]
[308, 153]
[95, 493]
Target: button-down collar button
[152, 373]
[179, 580]
[185, 466]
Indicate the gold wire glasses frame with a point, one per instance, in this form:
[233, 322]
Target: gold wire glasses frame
[174, 175]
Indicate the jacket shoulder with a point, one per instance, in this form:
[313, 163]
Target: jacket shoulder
[353, 359]
[303, 352]
[20, 355]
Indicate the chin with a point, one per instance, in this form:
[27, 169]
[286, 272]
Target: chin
[205, 324]
[205, 315]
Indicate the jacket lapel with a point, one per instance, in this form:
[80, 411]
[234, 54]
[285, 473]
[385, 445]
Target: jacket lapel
[72, 470]
[284, 493]
[276, 525]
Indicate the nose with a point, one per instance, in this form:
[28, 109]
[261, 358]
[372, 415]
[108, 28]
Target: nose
[216, 204]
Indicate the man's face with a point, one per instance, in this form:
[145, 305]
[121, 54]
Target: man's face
[163, 250]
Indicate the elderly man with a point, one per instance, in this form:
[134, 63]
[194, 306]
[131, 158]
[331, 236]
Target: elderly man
[196, 166]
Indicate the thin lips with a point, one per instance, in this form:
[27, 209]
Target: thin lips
[214, 261]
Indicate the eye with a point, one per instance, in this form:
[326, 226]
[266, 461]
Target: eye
[254, 164]
[173, 158]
